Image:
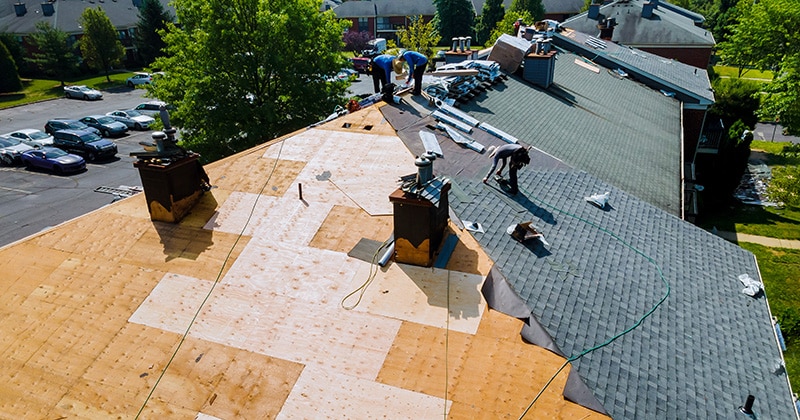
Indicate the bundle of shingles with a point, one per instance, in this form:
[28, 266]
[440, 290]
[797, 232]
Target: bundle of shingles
[466, 87]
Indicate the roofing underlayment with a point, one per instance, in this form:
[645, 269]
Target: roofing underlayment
[236, 311]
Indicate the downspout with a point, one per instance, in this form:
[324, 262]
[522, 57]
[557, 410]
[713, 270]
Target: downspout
[375, 20]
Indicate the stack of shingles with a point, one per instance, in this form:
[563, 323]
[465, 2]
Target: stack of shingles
[464, 88]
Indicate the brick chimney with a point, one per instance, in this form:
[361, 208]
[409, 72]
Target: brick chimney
[606, 27]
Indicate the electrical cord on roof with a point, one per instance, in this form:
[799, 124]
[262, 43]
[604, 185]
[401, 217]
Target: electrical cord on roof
[373, 271]
[636, 324]
[216, 280]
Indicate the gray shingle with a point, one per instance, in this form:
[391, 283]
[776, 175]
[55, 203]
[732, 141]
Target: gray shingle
[697, 356]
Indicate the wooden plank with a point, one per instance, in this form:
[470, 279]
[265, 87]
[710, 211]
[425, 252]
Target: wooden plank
[345, 226]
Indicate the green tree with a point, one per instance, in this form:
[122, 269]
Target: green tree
[100, 45]
[242, 72]
[17, 53]
[454, 18]
[533, 7]
[506, 26]
[764, 37]
[736, 99]
[492, 13]
[782, 100]
[9, 78]
[54, 55]
[419, 36]
[152, 19]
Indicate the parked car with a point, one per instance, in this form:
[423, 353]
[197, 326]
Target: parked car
[139, 79]
[11, 149]
[54, 125]
[151, 108]
[82, 92]
[108, 126]
[32, 137]
[133, 119]
[84, 143]
[344, 74]
[53, 159]
[361, 64]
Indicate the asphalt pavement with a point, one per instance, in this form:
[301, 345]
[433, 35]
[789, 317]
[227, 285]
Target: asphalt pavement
[33, 200]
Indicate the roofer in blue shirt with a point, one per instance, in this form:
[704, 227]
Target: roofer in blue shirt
[416, 67]
[381, 67]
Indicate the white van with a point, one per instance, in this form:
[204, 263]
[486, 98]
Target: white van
[376, 46]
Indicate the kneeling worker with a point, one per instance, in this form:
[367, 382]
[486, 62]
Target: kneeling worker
[519, 158]
[416, 67]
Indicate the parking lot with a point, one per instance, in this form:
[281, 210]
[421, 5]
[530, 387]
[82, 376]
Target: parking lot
[32, 200]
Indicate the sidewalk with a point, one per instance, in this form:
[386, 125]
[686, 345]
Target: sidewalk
[761, 240]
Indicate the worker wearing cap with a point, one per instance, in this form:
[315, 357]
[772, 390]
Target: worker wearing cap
[416, 67]
[381, 71]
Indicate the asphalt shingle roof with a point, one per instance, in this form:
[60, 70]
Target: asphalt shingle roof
[613, 128]
[123, 14]
[689, 83]
[698, 355]
[665, 28]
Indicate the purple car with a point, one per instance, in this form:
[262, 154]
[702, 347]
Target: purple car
[53, 159]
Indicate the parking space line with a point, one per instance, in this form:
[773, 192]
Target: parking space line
[15, 190]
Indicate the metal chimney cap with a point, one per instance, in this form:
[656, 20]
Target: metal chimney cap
[422, 161]
[159, 135]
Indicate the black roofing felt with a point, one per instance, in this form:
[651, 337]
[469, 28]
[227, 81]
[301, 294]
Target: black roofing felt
[698, 355]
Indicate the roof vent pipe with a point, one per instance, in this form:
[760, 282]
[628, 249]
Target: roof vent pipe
[594, 11]
[424, 170]
[461, 41]
[748, 405]
[20, 9]
[647, 9]
[48, 9]
[455, 43]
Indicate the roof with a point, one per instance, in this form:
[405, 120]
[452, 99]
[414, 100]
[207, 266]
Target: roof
[603, 270]
[666, 28]
[690, 84]
[579, 119]
[236, 311]
[367, 8]
[122, 13]
[373, 8]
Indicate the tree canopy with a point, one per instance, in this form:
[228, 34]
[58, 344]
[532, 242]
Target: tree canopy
[506, 26]
[454, 18]
[419, 36]
[9, 78]
[533, 7]
[242, 72]
[152, 19]
[356, 41]
[100, 45]
[764, 37]
[492, 13]
[54, 54]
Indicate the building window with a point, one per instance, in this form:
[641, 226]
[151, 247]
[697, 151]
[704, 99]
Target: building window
[363, 24]
[384, 24]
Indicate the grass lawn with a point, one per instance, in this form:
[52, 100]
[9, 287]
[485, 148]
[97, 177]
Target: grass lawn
[780, 269]
[733, 72]
[35, 90]
[773, 222]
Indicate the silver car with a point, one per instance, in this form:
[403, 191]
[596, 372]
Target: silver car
[11, 149]
[82, 92]
[133, 119]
